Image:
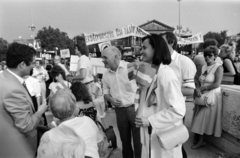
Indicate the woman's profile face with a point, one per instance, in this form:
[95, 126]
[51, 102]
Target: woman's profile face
[223, 53]
[147, 51]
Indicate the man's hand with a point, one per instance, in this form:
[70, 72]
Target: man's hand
[42, 108]
[116, 102]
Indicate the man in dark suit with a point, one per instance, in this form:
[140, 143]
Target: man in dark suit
[19, 118]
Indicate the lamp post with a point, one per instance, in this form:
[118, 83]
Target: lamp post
[179, 26]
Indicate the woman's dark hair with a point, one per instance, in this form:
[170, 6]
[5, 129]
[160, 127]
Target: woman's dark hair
[210, 42]
[81, 45]
[80, 92]
[56, 70]
[161, 51]
[18, 53]
[211, 50]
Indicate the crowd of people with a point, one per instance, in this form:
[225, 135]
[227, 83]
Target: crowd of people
[30, 87]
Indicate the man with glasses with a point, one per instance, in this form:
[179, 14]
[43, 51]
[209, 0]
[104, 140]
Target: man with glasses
[19, 118]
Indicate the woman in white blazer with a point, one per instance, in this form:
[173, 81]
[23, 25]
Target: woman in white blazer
[162, 103]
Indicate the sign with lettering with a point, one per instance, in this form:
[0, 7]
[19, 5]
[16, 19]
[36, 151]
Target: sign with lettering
[35, 43]
[130, 30]
[104, 45]
[198, 38]
[65, 53]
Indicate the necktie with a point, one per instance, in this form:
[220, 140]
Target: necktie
[34, 100]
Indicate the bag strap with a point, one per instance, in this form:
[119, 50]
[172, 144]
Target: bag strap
[100, 125]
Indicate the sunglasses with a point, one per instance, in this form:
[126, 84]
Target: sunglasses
[208, 55]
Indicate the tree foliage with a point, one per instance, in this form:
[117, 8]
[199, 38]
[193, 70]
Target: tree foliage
[220, 37]
[3, 49]
[51, 38]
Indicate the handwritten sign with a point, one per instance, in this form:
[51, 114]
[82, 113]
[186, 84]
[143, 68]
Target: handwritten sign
[65, 53]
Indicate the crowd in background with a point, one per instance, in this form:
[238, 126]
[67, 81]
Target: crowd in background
[77, 101]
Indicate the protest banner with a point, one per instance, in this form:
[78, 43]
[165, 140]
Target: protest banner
[129, 30]
[65, 53]
[198, 38]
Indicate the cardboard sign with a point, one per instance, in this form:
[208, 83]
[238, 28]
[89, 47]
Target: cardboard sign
[74, 63]
[65, 53]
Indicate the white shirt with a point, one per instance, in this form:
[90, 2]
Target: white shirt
[20, 79]
[64, 68]
[33, 86]
[184, 68]
[40, 78]
[85, 63]
[88, 131]
[55, 86]
[118, 85]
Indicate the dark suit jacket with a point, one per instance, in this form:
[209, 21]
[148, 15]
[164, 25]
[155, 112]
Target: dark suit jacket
[18, 122]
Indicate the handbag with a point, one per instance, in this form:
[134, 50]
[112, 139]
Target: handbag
[173, 137]
[207, 99]
[110, 134]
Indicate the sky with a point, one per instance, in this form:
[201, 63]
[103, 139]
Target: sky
[85, 16]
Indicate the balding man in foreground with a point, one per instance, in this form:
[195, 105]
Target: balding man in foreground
[63, 107]
[57, 61]
[119, 91]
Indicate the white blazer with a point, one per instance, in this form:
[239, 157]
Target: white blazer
[168, 108]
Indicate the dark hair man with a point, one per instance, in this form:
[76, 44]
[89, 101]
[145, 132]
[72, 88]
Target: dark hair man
[19, 117]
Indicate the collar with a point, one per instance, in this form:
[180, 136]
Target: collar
[21, 80]
[121, 65]
[174, 55]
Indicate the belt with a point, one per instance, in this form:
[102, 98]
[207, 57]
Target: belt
[125, 107]
[88, 82]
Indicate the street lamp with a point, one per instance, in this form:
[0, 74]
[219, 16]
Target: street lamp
[179, 26]
[32, 28]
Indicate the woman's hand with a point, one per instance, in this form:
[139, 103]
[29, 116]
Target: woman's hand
[198, 92]
[142, 122]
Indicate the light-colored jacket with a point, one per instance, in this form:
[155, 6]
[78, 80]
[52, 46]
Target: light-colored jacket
[18, 134]
[167, 108]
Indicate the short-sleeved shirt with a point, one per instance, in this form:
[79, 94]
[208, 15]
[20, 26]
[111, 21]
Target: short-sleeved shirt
[184, 69]
[88, 130]
[85, 63]
[118, 85]
[55, 86]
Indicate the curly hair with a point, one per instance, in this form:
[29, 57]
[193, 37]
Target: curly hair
[81, 93]
[211, 50]
[18, 53]
[56, 70]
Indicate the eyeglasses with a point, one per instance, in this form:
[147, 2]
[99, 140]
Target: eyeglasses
[207, 54]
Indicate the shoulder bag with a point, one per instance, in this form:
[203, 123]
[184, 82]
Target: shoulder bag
[207, 99]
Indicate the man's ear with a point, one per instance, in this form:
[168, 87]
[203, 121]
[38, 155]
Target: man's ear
[22, 65]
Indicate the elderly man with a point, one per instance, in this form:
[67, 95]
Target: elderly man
[118, 90]
[19, 118]
[57, 61]
[63, 107]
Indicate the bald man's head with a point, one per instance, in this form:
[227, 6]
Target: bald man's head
[111, 57]
[62, 104]
[57, 59]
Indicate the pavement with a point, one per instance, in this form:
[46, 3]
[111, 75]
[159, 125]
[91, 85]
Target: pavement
[208, 151]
